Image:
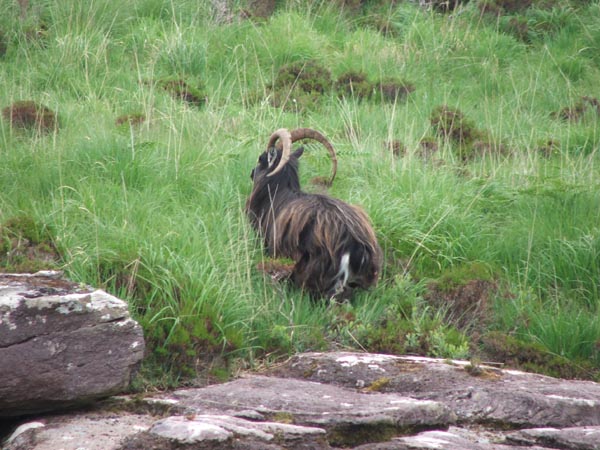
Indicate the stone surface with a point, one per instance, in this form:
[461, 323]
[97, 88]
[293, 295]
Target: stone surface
[575, 438]
[349, 417]
[91, 431]
[452, 439]
[476, 395]
[340, 400]
[62, 344]
[209, 431]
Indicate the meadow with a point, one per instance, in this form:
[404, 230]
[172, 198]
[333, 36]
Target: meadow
[470, 137]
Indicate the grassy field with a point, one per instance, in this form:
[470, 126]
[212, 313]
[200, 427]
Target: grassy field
[471, 138]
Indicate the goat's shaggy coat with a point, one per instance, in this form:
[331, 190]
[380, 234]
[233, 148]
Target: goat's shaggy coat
[331, 242]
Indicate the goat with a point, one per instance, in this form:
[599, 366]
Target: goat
[332, 243]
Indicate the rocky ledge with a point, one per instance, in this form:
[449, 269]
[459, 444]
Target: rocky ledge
[340, 400]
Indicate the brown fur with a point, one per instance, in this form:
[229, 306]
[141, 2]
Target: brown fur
[313, 230]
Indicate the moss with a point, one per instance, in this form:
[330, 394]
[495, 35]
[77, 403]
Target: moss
[428, 146]
[132, 119]
[475, 369]
[190, 346]
[548, 148]
[513, 18]
[392, 90]
[3, 44]
[462, 275]
[446, 5]
[451, 123]
[308, 76]
[283, 417]
[295, 100]
[259, 9]
[181, 89]
[357, 85]
[310, 371]
[299, 86]
[378, 385]
[518, 27]
[464, 295]
[23, 227]
[499, 7]
[26, 246]
[30, 115]
[467, 141]
[571, 113]
[395, 147]
[354, 84]
[593, 102]
[355, 435]
[576, 112]
[485, 146]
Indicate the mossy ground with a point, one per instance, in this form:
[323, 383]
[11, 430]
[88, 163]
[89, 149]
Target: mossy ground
[26, 246]
[29, 115]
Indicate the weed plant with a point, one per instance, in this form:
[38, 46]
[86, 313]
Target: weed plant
[152, 209]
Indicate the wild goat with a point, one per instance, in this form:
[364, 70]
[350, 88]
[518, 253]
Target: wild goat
[332, 243]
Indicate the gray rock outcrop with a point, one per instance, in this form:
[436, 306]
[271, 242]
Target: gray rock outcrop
[342, 400]
[62, 344]
[475, 394]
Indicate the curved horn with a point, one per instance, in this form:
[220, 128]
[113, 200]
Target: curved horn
[309, 133]
[286, 145]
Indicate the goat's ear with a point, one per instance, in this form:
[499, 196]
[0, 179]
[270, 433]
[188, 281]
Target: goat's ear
[271, 156]
[298, 153]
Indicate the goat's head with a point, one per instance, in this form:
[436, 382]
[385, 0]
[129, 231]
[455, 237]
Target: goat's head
[279, 152]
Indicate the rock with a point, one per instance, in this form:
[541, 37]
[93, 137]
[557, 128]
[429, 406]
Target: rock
[221, 432]
[475, 394]
[453, 439]
[349, 417]
[340, 400]
[62, 344]
[575, 438]
[90, 431]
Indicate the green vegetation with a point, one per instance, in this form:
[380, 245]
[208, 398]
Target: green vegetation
[471, 137]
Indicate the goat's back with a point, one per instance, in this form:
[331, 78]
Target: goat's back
[316, 231]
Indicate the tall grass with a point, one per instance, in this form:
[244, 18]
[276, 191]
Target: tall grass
[154, 213]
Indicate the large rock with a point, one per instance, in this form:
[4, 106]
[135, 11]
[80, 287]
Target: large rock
[349, 417]
[341, 400]
[481, 394]
[62, 344]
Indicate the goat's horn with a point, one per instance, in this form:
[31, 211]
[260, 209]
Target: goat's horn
[309, 133]
[286, 145]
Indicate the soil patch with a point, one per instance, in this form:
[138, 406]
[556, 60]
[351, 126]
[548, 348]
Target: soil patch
[30, 115]
[182, 90]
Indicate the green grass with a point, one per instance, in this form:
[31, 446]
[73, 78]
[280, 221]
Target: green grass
[154, 212]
